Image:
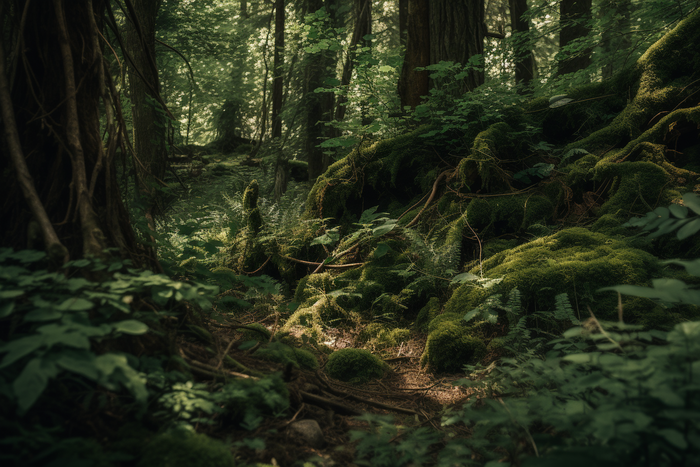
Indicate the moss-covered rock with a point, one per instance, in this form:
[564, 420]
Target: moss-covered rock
[355, 365]
[451, 346]
[318, 312]
[508, 213]
[439, 320]
[574, 261]
[284, 354]
[427, 313]
[184, 449]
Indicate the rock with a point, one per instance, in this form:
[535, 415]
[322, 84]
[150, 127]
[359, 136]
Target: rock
[308, 432]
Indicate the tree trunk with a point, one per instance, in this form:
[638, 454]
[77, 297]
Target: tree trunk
[55, 174]
[524, 63]
[616, 39]
[413, 85]
[319, 105]
[403, 22]
[457, 34]
[363, 26]
[150, 125]
[278, 74]
[574, 18]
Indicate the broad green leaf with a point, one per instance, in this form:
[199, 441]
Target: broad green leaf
[674, 437]
[7, 309]
[381, 250]
[75, 304]
[692, 201]
[580, 357]
[668, 396]
[32, 381]
[82, 363]
[382, 229]
[18, 348]
[691, 228]
[680, 212]
[692, 267]
[42, 314]
[131, 327]
[471, 314]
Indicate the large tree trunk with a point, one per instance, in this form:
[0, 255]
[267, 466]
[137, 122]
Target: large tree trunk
[318, 105]
[574, 17]
[413, 84]
[281, 168]
[524, 60]
[457, 34]
[55, 176]
[403, 22]
[150, 126]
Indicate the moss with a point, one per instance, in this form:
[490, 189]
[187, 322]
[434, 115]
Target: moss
[184, 449]
[497, 245]
[480, 169]
[250, 196]
[451, 346]
[321, 311]
[284, 354]
[455, 318]
[355, 365]
[427, 313]
[574, 261]
[244, 399]
[313, 285]
[508, 213]
[261, 335]
[381, 336]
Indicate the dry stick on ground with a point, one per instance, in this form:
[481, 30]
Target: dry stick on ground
[338, 407]
[430, 200]
[313, 263]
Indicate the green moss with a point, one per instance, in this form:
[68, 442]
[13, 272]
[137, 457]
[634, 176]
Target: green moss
[574, 261]
[284, 354]
[184, 449]
[427, 313]
[508, 213]
[451, 346]
[455, 318]
[250, 196]
[497, 245]
[321, 311]
[381, 336]
[355, 365]
[480, 169]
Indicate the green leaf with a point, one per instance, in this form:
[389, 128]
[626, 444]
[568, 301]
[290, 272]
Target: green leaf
[674, 437]
[382, 249]
[692, 267]
[692, 201]
[382, 229]
[579, 357]
[75, 304]
[5, 294]
[18, 348]
[7, 309]
[471, 314]
[32, 381]
[691, 228]
[131, 327]
[42, 314]
[680, 212]
[82, 363]
[386, 68]
[464, 277]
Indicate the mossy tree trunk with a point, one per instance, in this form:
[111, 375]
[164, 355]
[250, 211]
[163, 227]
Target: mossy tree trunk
[413, 84]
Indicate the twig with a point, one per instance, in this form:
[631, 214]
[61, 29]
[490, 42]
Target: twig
[430, 200]
[316, 400]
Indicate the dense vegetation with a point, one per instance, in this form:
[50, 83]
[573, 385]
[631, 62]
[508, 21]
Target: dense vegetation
[274, 233]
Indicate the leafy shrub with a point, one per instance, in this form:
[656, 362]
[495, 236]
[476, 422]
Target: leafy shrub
[179, 448]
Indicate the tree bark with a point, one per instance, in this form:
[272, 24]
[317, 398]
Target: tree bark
[456, 34]
[150, 126]
[56, 92]
[574, 17]
[524, 60]
[403, 22]
[413, 84]
[319, 105]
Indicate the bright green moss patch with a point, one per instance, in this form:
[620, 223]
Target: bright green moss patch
[281, 353]
[451, 346]
[380, 336]
[258, 333]
[508, 213]
[574, 261]
[184, 449]
[427, 313]
[355, 365]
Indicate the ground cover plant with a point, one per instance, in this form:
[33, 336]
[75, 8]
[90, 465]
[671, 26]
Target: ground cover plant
[297, 242]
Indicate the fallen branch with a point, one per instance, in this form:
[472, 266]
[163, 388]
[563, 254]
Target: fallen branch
[312, 263]
[318, 400]
[430, 199]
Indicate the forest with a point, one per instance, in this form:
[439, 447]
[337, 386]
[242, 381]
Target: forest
[317, 233]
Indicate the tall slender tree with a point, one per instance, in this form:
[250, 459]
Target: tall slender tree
[615, 35]
[524, 59]
[144, 86]
[281, 169]
[574, 16]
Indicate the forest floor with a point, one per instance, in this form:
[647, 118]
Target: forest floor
[409, 393]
